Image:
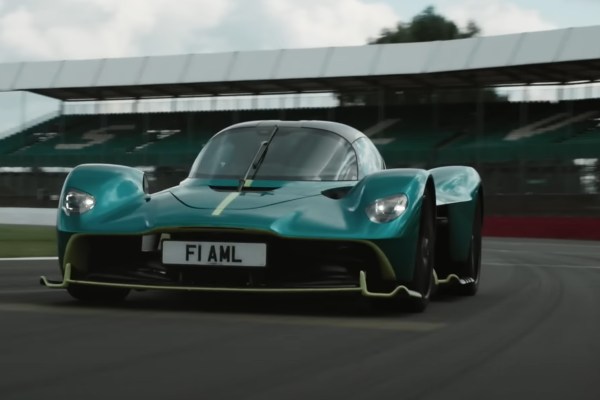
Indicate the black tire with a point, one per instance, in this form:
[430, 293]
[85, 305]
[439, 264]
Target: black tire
[472, 267]
[423, 279]
[97, 294]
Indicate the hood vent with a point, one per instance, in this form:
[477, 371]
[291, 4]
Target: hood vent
[337, 193]
[245, 189]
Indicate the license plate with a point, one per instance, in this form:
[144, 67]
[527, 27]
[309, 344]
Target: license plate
[214, 253]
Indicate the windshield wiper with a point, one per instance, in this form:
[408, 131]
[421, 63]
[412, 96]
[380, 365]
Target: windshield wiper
[257, 159]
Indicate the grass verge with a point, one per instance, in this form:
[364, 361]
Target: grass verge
[27, 241]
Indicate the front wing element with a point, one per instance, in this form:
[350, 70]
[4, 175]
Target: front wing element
[400, 290]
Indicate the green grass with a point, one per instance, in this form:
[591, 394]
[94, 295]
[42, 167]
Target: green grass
[27, 241]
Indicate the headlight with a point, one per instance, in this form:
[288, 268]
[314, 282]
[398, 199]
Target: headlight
[387, 209]
[76, 202]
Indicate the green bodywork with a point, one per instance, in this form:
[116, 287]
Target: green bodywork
[458, 189]
[289, 209]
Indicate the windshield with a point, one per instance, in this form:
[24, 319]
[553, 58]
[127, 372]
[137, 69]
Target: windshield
[295, 153]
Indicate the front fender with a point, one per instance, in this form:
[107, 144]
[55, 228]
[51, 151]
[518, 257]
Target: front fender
[458, 189]
[401, 243]
[410, 182]
[455, 184]
[118, 191]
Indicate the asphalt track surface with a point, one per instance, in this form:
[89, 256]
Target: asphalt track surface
[533, 332]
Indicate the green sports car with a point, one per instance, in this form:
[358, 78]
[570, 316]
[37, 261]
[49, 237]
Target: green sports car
[274, 206]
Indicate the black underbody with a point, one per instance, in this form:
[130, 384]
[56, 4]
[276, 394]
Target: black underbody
[291, 263]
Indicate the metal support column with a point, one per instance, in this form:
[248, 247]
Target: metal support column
[381, 104]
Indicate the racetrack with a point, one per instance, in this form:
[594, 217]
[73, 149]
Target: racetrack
[533, 331]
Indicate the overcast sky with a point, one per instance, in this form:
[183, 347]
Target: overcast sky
[72, 29]
[32, 30]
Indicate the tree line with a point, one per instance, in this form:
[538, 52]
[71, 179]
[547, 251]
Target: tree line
[426, 26]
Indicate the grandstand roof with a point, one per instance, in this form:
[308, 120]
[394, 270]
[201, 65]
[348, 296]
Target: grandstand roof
[556, 56]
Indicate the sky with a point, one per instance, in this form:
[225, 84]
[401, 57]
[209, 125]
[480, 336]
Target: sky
[35, 30]
[32, 30]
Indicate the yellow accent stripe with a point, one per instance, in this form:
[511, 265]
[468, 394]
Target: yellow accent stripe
[451, 278]
[225, 202]
[228, 199]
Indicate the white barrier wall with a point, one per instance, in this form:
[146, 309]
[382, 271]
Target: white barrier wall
[28, 216]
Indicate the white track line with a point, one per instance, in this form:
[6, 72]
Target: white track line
[29, 259]
[543, 242]
[517, 264]
[536, 251]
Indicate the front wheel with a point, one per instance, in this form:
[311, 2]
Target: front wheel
[97, 294]
[423, 279]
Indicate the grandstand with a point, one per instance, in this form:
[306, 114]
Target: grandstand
[405, 138]
[520, 147]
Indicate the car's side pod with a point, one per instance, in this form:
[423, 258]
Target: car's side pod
[458, 191]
